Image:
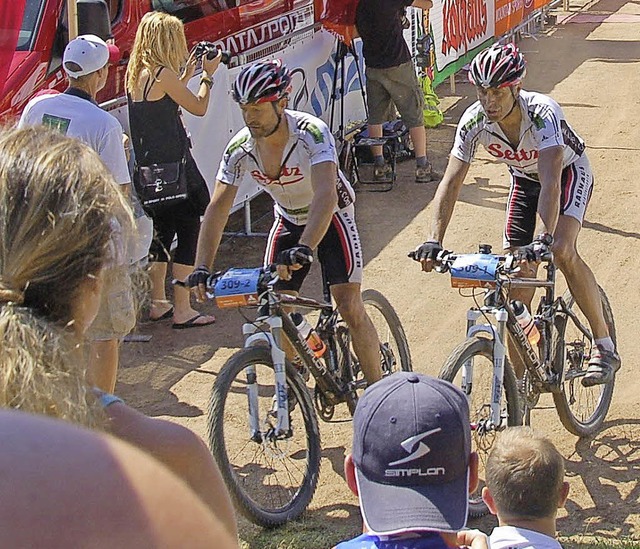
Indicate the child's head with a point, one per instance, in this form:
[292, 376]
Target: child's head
[525, 476]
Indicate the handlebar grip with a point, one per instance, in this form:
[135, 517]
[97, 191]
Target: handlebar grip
[440, 260]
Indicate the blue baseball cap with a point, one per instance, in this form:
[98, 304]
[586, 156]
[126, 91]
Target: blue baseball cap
[411, 448]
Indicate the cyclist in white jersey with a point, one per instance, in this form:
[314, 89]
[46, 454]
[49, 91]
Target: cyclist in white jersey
[551, 181]
[292, 156]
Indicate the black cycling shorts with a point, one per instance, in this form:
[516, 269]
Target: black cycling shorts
[339, 252]
[522, 205]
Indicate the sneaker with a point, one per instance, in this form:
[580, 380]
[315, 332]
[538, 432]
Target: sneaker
[423, 173]
[602, 367]
[382, 173]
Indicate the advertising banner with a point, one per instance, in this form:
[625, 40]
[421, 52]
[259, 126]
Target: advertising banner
[461, 28]
[508, 14]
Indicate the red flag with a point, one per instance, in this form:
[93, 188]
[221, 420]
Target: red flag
[339, 18]
[11, 13]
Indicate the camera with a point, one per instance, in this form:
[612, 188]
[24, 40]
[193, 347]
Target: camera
[210, 50]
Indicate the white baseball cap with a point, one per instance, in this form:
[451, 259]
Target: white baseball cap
[90, 53]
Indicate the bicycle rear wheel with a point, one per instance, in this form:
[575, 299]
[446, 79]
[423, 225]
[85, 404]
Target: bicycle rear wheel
[393, 341]
[479, 351]
[272, 480]
[582, 410]
[394, 348]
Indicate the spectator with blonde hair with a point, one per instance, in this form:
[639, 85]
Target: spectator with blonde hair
[57, 204]
[156, 85]
[525, 488]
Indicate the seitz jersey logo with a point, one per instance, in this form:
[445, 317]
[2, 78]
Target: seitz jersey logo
[463, 21]
[497, 150]
[288, 176]
[416, 449]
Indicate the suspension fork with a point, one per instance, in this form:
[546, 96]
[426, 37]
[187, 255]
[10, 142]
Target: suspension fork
[499, 353]
[497, 334]
[467, 368]
[279, 365]
[274, 339]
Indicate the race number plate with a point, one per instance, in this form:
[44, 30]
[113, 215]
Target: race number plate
[237, 288]
[474, 271]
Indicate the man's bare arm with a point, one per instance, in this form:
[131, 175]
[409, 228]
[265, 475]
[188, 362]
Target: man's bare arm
[550, 173]
[215, 219]
[325, 200]
[213, 224]
[446, 197]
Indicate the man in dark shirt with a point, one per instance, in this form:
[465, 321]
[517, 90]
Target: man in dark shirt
[391, 77]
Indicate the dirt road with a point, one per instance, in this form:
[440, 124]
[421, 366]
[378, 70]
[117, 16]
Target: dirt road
[590, 63]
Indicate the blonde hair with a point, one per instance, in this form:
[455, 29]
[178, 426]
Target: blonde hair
[57, 203]
[160, 42]
[525, 474]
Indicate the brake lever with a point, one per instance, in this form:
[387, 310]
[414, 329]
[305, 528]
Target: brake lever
[443, 265]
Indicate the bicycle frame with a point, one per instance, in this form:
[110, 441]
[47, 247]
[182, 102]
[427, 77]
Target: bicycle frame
[269, 329]
[497, 305]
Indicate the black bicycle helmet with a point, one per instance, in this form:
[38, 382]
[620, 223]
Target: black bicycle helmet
[499, 66]
[262, 82]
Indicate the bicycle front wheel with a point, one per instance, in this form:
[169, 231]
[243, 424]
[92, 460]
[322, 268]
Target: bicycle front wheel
[271, 480]
[477, 352]
[393, 341]
[582, 410]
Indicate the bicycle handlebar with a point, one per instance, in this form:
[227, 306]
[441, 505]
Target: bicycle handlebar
[508, 262]
[269, 270]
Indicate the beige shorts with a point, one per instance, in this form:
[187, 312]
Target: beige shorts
[395, 85]
[117, 315]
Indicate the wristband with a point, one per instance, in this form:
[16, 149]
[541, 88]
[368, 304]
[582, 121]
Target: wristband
[206, 81]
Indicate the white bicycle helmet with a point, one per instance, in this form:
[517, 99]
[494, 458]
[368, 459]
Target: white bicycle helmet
[499, 66]
[262, 82]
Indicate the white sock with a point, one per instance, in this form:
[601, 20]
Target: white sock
[606, 343]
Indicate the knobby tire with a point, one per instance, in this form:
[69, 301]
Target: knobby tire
[263, 515]
[483, 347]
[582, 427]
[375, 299]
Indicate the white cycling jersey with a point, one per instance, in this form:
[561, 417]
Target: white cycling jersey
[543, 126]
[310, 142]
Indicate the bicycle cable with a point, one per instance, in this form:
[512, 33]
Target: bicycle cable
[253, 322]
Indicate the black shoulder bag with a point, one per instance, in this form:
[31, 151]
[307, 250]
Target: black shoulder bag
[160, 186]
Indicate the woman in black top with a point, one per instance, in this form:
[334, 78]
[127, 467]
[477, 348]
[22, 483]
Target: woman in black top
[157, 88]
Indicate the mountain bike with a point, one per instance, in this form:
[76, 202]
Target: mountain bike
[556, 364]
[263, 427]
